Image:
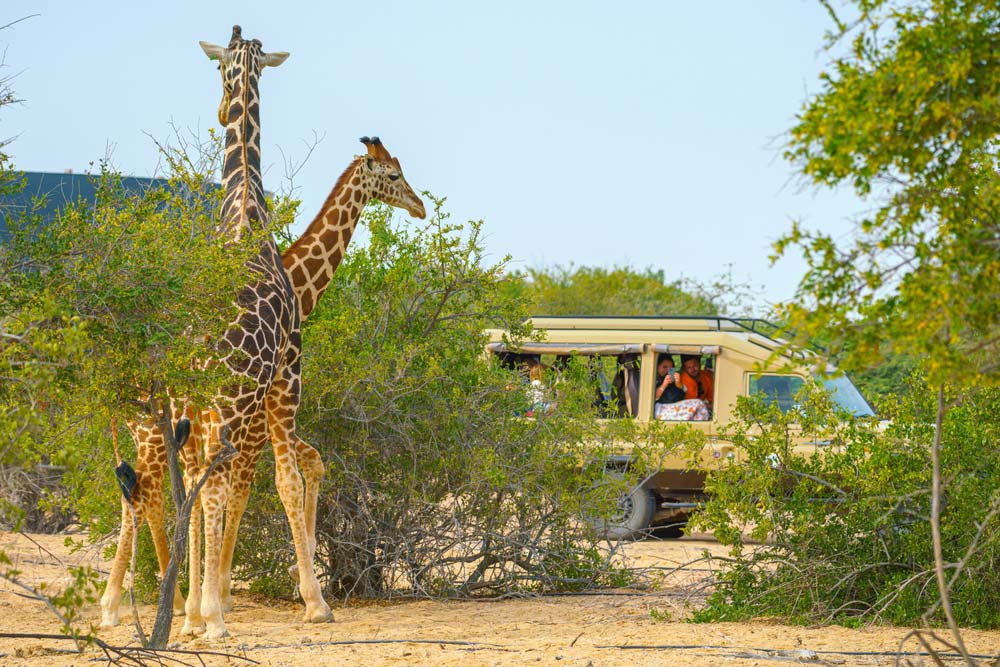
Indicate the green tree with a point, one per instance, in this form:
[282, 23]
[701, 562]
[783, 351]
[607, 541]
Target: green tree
[827, 542]
[623, 290]
[907, 117]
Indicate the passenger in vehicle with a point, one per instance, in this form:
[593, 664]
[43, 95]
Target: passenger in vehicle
[626, 385]
[604, 395]
[698, 382]
[669, 385]
[539, 402]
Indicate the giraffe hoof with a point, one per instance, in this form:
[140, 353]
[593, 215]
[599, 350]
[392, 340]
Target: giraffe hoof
[109, 622]
[216, 632]
[193, 628]
[318, 616]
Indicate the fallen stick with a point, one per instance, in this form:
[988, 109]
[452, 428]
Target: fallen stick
[135, 655]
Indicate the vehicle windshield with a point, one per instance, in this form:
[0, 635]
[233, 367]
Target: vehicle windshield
[846, 395]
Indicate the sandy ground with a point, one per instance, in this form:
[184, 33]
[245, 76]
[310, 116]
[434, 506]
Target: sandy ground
[619, 628]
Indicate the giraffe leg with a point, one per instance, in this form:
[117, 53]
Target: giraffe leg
[194, 623]
[312, 474]
[154, 517]
[147, 493]
[241, 478]
[281, 406]
[213, 504]
[123, 556]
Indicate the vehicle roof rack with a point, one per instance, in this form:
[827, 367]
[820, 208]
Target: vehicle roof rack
[758, 326]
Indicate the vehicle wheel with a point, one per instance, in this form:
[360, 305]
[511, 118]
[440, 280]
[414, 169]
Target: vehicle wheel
[633, 514]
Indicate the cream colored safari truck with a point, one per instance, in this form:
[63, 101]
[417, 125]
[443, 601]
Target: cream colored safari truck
[733, 350]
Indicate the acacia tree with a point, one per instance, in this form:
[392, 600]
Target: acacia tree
[908, 117]
[623, 290]
[107, 312]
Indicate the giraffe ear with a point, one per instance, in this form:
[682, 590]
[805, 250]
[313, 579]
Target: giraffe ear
[370, 163]
[275, 59]
[213, 51]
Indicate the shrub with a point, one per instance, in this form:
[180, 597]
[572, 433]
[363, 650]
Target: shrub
[842, 533]
[435, 485]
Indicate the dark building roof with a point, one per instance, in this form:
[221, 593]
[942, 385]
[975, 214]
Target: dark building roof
[57, 190]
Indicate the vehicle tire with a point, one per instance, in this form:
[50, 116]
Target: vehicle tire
[632, 517]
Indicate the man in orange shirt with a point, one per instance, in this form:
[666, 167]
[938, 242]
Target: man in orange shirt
[698, 383]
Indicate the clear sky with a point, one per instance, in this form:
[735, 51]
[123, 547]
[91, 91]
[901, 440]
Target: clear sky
[594, 133]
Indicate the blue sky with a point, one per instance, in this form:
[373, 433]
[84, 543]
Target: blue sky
[593, 133]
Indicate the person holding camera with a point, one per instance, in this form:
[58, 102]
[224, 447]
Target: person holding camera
[669, 384]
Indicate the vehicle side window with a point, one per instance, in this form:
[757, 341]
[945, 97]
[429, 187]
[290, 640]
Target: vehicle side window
[779, 389]
[615, 379]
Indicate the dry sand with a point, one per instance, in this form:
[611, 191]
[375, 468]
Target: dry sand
[566, 630]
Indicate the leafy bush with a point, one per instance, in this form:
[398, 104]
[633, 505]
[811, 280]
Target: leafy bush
[841, 532]
[435, 485]
[102, 307]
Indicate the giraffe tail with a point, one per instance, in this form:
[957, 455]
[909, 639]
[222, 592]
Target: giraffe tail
[123, 471]
[114, 440]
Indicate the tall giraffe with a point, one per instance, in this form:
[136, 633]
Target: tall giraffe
[262, 349]
[310, 262]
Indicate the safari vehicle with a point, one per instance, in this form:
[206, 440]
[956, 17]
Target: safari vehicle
[734, 354]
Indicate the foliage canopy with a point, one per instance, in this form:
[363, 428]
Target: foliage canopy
[908, 117]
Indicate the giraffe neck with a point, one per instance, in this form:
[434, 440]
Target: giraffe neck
[244, 207]
[312, 259]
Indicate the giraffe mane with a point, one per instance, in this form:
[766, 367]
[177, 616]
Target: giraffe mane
[342, 180]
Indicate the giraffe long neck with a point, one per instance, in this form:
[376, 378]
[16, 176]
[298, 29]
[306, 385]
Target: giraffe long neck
[244, 206]
[312, 259]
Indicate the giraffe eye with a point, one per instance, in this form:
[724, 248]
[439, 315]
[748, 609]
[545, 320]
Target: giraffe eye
[393, 177]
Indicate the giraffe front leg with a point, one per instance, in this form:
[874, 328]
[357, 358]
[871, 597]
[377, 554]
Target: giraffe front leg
[312, 472]
[238, 497]
[241, 477]
[191, 455]
[290, 489]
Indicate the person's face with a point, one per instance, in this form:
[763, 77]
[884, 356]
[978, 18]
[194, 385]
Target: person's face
[664, 366]
[692, 367]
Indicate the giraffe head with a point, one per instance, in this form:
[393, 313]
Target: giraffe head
[241, 59]
[382, 178]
